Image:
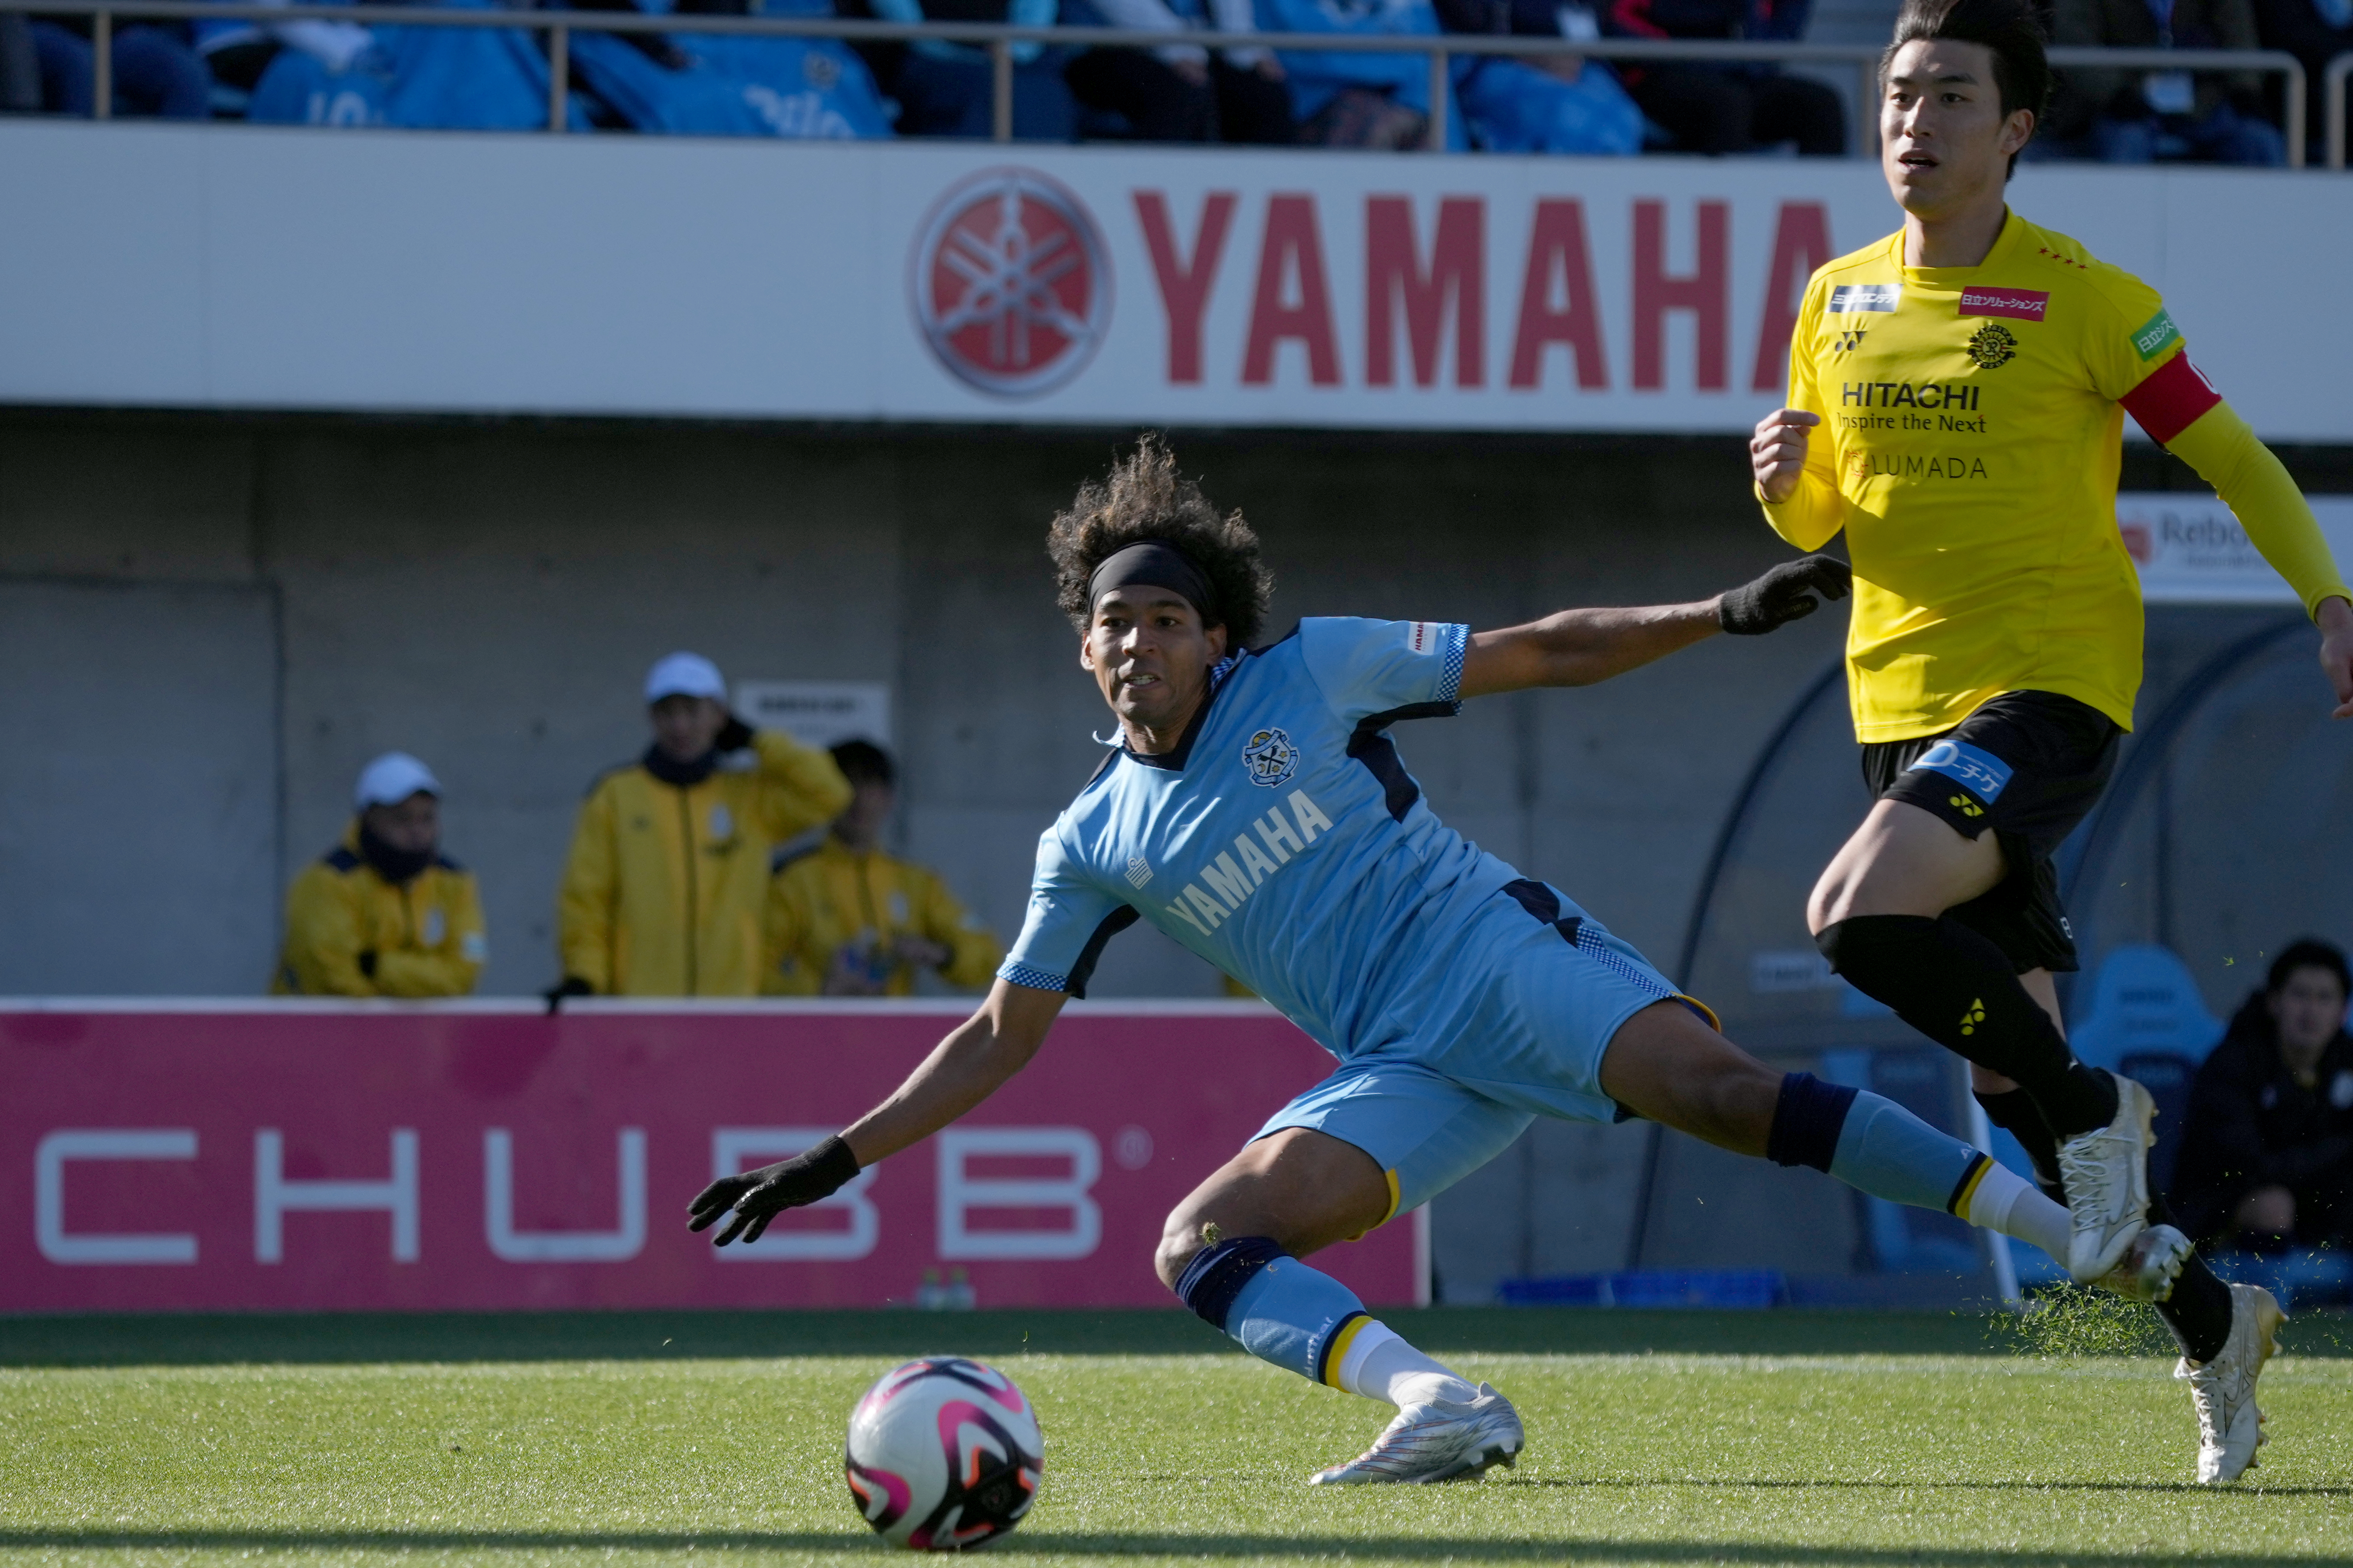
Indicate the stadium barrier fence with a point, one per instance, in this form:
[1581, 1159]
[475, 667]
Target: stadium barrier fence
[998, 39]
[2334, 88]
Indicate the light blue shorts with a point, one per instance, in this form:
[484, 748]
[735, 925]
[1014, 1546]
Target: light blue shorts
[1520, 1040]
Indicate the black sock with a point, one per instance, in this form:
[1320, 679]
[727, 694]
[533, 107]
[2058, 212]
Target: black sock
[1957, 988]
[2013, 1111]
[2198, 1310]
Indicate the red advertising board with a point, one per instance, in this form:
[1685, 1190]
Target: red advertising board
[369, 1157]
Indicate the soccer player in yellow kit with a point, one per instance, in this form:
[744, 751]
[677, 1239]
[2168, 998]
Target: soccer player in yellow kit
[1955, 408]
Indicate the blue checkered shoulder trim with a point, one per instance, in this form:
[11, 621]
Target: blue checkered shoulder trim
[1032, 976]
[1449, 683]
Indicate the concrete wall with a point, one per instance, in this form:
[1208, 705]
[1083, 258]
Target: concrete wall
[489, 594]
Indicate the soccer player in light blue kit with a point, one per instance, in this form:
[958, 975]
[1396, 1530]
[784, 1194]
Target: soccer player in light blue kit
[1256, 810]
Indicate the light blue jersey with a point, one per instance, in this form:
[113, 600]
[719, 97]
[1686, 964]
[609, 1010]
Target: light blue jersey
[1283, 841]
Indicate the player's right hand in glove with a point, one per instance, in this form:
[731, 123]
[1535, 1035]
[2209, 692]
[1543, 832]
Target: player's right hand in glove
[755, 1197]
[1785, 593]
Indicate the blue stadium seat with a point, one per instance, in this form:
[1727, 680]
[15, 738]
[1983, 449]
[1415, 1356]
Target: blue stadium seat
[2143, 1000]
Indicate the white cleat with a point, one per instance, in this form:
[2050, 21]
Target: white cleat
[2105, 1175]
[2230, 1425]
[1440, 1441]
[2150, 1265]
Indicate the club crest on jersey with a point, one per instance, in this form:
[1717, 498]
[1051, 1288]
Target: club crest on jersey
[1994, 346]
[1270, 758]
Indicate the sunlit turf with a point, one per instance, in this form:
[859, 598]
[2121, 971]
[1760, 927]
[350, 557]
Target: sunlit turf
[643, 1455]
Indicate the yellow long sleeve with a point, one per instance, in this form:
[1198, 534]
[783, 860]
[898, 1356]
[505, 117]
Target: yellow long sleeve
[2257, 488]
[584, 908]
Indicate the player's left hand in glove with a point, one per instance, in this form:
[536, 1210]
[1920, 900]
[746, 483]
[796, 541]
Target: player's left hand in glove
[1785, 593]
[755, 1197]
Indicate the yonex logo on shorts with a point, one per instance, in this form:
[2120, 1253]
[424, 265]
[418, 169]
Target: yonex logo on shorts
[1881, 298]
[1982, 772]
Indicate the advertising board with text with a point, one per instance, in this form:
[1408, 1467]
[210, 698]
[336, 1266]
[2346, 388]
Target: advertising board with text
[374, 1157]
[284, 268]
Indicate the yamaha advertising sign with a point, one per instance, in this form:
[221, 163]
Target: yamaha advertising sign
[284, 268]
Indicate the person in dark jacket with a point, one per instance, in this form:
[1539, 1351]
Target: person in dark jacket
[2314, 32]
[2140, 117]
[2267, 1153]
[1727, 108]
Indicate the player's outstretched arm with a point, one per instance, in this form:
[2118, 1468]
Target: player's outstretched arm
[1579, 647]
[964, 1070]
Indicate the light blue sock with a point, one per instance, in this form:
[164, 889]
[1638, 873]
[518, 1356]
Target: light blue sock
[1889, 1153]
[1279, 1309]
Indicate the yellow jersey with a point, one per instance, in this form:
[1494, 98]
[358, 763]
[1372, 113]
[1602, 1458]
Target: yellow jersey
[833, 905]
[1971, 434]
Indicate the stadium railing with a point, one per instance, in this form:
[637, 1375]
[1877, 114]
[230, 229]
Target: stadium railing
[999, 38]
[2333, 79]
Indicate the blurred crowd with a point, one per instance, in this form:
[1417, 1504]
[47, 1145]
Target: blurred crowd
[335, 73]
[724, 861]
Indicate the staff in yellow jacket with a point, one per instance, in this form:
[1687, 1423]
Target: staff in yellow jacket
[847, 920]
[663, 892]
[385, 913]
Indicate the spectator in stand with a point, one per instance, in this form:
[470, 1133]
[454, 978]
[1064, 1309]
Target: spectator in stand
[237, 52]
[945, 90]
[665, 888]
[156, 74]
[20, 66]
[2314, 32]
[1542, 103]
[2141, 117]
[1182, 92]
[385, 913]
[2267, 1150]
[848, 920]
[718, 84]
[1717, 108]
[1376, 102]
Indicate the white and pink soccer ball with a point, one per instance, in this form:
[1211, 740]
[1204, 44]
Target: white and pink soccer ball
[944, 1454]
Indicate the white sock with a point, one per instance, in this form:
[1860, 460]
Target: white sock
[2007, 1203]
[1379, 1365]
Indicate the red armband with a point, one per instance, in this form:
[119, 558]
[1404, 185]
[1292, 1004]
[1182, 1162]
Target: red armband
[2170, 398]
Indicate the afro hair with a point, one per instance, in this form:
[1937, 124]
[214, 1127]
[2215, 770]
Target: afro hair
[1145, 498]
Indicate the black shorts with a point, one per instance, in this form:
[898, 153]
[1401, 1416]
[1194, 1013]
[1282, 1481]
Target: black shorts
[2030, 765]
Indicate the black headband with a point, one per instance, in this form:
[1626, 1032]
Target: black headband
[1156, 563]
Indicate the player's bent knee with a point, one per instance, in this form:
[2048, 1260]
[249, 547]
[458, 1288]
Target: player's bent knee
[1180, 1240]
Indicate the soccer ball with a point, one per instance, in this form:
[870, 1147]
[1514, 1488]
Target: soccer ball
[944, 1454]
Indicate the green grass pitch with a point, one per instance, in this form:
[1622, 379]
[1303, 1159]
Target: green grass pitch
[684, 1440]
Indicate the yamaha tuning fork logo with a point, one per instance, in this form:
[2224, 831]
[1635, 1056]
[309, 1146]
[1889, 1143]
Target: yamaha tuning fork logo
[1011, 282]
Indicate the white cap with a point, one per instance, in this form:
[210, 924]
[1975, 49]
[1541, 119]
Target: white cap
[684, 675]
[391, 779]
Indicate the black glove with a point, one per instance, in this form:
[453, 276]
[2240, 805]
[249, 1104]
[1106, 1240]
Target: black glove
[367, 963]
[735, 737]
[570, 985]
[1785, 593]
[755, 1197]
